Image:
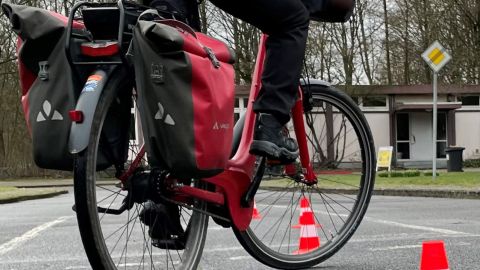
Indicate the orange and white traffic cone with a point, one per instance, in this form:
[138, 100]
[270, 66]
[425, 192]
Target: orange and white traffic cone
[305, 209]
[309, 239]
[434, 256]
[256, 213]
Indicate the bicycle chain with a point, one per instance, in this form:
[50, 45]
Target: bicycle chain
[195, 209]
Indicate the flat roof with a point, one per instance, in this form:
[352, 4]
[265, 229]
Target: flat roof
[422, 89]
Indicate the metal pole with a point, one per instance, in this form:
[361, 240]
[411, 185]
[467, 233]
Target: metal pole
[434, 148]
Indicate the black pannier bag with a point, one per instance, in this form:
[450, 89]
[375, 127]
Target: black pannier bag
[330, 10]
[48, 92]
[185, 83]
[50, 86]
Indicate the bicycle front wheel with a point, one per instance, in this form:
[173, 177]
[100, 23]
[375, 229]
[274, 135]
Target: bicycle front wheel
[300, 224]
[122, 240]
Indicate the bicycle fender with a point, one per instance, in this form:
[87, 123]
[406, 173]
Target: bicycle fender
[308, 81]
[87, 103]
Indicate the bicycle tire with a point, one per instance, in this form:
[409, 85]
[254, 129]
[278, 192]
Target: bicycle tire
[329, 200]
[95, 226]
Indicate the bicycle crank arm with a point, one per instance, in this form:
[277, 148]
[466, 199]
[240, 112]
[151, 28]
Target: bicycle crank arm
[107, 210]
[252, 189]
[110, 211]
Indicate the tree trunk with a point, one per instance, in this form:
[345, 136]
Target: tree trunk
[387, 43]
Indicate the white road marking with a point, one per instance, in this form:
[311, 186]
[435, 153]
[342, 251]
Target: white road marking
[412, 246]
[415, 227]
[393, 223]
[15, 242]
[395, 247]
[241, 258]
[217, 228]
[122, 265]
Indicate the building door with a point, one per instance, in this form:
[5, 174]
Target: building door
[420, 136]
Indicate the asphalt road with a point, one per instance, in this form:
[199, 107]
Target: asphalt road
[43, 234]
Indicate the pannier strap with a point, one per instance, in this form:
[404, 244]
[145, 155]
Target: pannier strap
[199, 44]
[212, 57]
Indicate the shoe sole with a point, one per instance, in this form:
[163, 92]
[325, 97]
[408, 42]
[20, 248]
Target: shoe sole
[273, 152]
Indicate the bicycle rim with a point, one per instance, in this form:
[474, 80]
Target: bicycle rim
[123, 241]
[342, 153]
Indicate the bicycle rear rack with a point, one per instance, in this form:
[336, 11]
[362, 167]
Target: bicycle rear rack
[94, 17]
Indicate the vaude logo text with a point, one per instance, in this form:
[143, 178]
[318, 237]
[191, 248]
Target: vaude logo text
[47, 114]
[161, 113]
[217, 126]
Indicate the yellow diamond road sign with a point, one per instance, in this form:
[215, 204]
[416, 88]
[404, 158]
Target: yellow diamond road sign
[436, 56]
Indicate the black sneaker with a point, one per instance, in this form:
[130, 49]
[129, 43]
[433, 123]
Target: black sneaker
[271, 142]
[164, 225]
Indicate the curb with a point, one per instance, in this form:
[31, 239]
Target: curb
[33, 197]
[452, 194]
[52, 184]
[433, 193]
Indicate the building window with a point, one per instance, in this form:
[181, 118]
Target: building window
[374, 101]
[240, 107]
[371, 102]
[470, 100]
[403, 136]
[132, 127]
[441, 134]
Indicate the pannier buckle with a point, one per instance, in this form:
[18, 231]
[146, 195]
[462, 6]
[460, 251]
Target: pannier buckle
[212, 57]
[43, 70]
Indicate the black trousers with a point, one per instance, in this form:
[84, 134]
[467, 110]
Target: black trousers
[286, 22]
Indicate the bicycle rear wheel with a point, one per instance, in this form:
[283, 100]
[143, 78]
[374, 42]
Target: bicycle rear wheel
[343, 156]
[122, 241]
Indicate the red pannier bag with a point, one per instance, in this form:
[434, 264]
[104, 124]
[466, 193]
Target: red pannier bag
[185, 84]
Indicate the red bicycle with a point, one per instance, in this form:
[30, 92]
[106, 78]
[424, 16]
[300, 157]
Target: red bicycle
[333, 180]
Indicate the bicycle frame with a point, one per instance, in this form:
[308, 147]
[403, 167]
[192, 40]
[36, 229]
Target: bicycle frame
[236, 179]
[232, 184]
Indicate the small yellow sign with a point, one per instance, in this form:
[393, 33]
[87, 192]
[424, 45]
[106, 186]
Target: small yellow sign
[384, 158]
[436, 56]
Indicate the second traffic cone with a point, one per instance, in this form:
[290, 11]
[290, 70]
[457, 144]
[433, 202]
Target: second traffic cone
[434, 256]
[256, 213]
[306, 214]
[309, 239]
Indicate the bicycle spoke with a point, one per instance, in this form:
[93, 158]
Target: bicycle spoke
[330, 208]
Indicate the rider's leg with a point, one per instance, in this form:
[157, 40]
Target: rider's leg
[286, 23]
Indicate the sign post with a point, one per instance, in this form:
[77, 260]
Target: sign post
[436, 57]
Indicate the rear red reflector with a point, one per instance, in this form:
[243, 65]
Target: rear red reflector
[76, 116]
[100, 49]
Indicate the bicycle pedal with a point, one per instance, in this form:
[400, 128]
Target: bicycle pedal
[172, 244]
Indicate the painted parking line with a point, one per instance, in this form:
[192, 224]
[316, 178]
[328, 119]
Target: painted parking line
[415, 227]
[412, 246]
[241, 258]
[17, 241]
[394, 223]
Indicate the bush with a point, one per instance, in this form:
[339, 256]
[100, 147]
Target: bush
[397, 174]
[429, 173]
[471, 163]
[412, 173]
[383, 174]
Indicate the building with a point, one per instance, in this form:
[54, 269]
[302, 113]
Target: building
[401, 116]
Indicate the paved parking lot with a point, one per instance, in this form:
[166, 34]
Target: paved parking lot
[43, 234]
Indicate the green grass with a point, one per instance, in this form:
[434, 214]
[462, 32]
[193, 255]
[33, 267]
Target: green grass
[14, 194]
[452, 180]
[5, 189]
